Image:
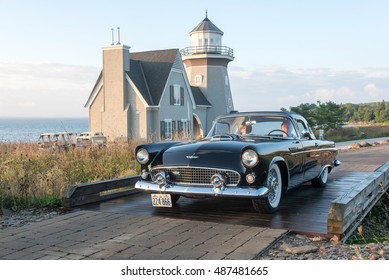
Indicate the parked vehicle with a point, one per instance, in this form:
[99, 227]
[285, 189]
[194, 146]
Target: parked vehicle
[57, 140]
[255, 155]
[88, 139]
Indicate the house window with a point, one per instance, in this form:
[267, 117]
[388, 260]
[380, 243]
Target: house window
[176, 95]
[226, 80]
[168, 129]
[183, 128]
[198, 79]
[185, 131]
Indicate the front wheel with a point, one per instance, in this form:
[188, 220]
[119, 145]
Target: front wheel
[321, 181]
[270, 203]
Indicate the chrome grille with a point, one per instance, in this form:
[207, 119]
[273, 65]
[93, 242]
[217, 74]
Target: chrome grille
[197, 175]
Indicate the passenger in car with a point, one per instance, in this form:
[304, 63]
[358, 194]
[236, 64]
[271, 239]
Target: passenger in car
[288, 129]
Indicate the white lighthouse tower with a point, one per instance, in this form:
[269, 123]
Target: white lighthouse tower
[206, 63]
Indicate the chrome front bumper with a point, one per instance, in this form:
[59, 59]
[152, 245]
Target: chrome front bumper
[209, 191]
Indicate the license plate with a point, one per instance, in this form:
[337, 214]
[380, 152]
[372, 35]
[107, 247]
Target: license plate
[161, 200]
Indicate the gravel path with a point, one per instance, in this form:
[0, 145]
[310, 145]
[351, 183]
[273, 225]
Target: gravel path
[9, 218]
[300, 247]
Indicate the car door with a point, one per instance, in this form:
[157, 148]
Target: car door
[311, 153]
[295, 163]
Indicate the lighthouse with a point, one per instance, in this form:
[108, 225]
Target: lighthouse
[206, 62]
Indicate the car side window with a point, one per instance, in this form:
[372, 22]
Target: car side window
[301, 126]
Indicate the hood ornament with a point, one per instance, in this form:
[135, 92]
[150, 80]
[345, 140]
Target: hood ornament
[192, 157]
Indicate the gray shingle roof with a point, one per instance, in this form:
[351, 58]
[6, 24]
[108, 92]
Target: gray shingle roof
[206, 25]
[199, 97]
[150, 70]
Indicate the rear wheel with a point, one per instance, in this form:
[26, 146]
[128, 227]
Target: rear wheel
[321, 181]
[270, 203]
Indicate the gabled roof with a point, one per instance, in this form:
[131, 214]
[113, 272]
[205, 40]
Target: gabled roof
[199, 97]
[206, 25]
[150, 70]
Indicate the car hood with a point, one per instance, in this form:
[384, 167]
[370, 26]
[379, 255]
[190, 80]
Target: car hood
[216, 154]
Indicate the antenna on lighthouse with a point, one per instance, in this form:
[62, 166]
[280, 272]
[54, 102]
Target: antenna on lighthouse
[118, 43]
[113, 37]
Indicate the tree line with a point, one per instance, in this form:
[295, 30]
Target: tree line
[331, 115]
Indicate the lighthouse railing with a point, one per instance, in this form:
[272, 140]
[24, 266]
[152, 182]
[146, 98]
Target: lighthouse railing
[208, 49]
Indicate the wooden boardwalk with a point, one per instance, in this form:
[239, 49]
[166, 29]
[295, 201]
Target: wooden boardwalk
[304, 209]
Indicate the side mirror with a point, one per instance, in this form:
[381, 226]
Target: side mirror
[305, 134]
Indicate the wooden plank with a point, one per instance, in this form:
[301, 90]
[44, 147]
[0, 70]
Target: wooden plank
[385, 169]
[346, 211]
[80, 194]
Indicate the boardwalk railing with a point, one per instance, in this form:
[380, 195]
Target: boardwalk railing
[81, 194]
[347, 211]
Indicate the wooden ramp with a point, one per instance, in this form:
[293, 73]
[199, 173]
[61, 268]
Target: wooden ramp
[336, 209]
[307, 210]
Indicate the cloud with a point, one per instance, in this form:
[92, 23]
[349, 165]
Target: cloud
[274, 87]
[45, 89]
[373, 91]
[334, 95]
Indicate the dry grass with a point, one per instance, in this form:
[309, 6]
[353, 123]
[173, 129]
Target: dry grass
[357, 132]
[30, 176]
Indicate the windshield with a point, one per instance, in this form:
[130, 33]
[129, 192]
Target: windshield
[254, 125]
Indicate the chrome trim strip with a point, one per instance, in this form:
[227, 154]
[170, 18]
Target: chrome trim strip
[192, 167]
[165, 167]
[231, 192]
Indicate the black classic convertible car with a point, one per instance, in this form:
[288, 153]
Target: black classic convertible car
[255, 155]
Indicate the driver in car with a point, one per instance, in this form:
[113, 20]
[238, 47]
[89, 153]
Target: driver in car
[245, 129]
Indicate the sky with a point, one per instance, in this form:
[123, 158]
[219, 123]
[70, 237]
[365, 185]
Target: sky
[286, 52]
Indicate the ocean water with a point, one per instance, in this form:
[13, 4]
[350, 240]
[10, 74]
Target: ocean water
[29, 129]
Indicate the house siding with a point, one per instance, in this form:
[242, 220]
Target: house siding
[201, 113]
[95, 112]
[153, 132]
[176, 112]
[136, 115]
[217, 92]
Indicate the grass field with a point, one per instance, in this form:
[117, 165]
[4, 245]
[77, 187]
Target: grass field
[357, 132]
[30, 176]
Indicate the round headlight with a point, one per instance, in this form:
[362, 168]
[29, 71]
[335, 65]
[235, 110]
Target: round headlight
[250, 158]
[142, 156]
